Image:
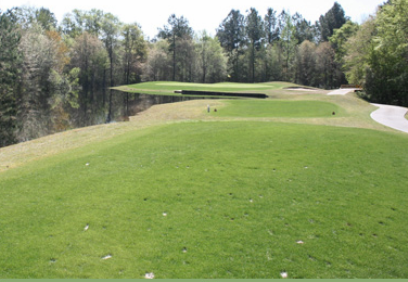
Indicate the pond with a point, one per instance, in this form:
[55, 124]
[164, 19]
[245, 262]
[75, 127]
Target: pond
[130, 104]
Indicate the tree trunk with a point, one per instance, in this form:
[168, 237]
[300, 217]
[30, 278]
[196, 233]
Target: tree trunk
[110, 114]
[174, 58]
[253, 62]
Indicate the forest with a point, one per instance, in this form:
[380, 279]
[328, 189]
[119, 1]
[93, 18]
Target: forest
[54, 76]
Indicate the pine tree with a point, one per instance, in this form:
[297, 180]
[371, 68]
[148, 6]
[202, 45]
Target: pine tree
[10, 58]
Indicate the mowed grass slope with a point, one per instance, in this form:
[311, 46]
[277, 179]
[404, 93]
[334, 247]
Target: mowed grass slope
[168, 87]
[213, 197]
[280, 108]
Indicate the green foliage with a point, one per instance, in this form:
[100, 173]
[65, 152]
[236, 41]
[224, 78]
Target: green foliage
[65, 88]
[288, 45]
[304, 29]
[212, 60]
[10, 62]
[231, 31]
[271, 28]
[255, 33]
[157, 63]
[388, 72]
[358, 48]
[330, 73]
[334, 19]
[377, 55]
[135, 52]
[46, 19]
[340, 37]
[306, 64]
[177, 33]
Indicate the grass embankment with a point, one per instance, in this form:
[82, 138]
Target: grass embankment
[286, 109]
[230, 198]
[168, 88]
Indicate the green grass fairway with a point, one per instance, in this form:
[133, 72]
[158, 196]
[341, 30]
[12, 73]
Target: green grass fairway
[212, 200]
[167, 87]
[273, 108]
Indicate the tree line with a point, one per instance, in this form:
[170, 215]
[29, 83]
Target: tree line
[54, 77]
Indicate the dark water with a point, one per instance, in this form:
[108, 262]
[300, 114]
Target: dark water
[130, 104]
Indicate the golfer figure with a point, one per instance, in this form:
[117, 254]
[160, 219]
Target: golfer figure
[208, 108]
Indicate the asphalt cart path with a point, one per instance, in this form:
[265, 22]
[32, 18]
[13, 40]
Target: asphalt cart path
[391, 116]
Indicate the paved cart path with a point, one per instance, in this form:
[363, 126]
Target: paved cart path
[391, 116]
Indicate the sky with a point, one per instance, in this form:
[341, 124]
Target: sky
[202, 15]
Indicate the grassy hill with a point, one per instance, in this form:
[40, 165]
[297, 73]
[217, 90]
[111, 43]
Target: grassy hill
[251, 191]
[168, 87]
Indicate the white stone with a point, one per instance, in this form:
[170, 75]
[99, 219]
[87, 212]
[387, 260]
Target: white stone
[107, 257]
[149, 275]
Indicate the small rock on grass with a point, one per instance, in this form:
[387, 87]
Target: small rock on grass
[149, 275]
[284, 274]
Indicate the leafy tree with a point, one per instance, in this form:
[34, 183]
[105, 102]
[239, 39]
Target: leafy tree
[135, 51]
[46, 19]
[231, 32]
[93, 21]
[340, 37]
[387, 75]
[204, 54]
[282, 19]
[157, 66]
[177, 29]
[44, 86]
[333, 19]
[77, 22]
[357, 49]
[217, 60]
[304, 29]
[330, 74]
[212, 60]
[271, 29]
[306, 63]
[273, 67]
[90, 56]
[25, 16]
[187, 61]
[238, 66]
[255, 34]
[10, 60]
[288, 43]
[110, 36]
[64, 89]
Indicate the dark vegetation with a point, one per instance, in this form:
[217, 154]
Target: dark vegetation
[56, 76]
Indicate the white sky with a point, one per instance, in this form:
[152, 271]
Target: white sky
[202, 15]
